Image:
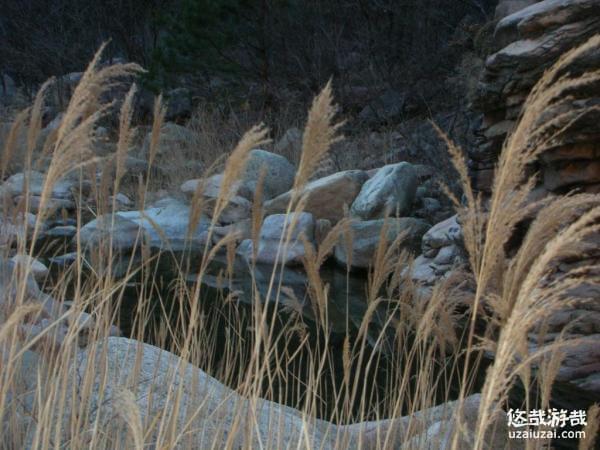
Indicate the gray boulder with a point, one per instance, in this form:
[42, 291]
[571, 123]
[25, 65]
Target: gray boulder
[119, 232]
[273, 228]
[239, 206]
[366, 236]
[443, 234]
[173, 138]
[390, 192]
[161, 385]
[166, 225]
[326, 198]
[34, 182]
[279, 177]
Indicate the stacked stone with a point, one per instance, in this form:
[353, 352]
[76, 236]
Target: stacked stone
[527, 43]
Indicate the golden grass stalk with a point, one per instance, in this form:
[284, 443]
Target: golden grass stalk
[591, 429]
[35, 121]
[160, 111]
[236, 164]
[125, 137]
[320, 134]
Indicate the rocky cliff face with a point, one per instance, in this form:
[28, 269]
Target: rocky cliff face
[527, 43]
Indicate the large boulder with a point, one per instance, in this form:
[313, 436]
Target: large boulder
[119, 232]
[219, 416]
[121, 377]
[237, 209]
[279, 176]
[32, 183]
[326, 198]
[167, 225]
[273, 246]
[390, 192]
[172, 139]
[290, 143]
[367, 235]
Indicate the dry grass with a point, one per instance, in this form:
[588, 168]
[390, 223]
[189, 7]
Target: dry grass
[402, 357]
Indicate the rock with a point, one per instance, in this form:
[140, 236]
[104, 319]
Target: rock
[423, 271]
[212, 187]
[326, 198]
[120, 232]
[443, 234]
[290, 143]
[86, 326]
[242, 231]
[388, 106]
[446, 255]
[431, 205]
[166, 226]
[322, 229]
[38, 270]
[433, 429]
[542, 16]
[21, 227]
[63, 261]
[189, 187]
[47, 327]
[8, 88]
[390, 192]
[179, 104]
[221, 417]
[52, 205]
[273, 228]
[219, 420]
[236, 210]
[508, 7]
[16, 184]
[64, 231]
[121, 200]
[136, 167]
[571, 175]
[239, 207]
[55, 123]
[366, 236]
[173, 138]
[279, 177]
